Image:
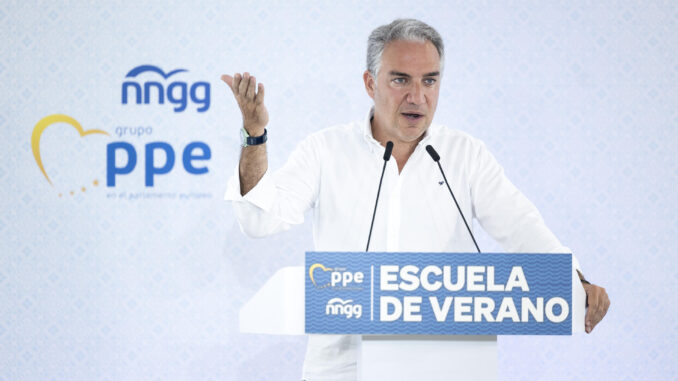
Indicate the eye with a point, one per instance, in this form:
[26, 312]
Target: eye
[429, 81]
[399, 80]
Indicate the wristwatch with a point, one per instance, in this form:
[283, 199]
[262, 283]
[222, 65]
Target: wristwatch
[247, 140]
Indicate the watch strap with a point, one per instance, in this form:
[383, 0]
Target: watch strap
[254, 140]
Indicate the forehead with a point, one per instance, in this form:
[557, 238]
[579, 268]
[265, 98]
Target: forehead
[411, 57]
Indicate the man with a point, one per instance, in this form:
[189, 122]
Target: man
[335, 172]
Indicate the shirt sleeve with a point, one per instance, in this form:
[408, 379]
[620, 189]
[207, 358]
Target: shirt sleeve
[280, 199]
[505, 213]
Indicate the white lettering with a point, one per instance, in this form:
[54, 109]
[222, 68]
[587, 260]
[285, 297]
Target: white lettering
[447, 278]
[335, 278]
[389, 277]
[490, 281]
[461, 306]
[338, 306]
[425, 273]
[527, 308]
[410, 280]
[483, 308]
[440, 312]
[507, 308]
[412, 307]
[564, 309]
[384, 303]
[517, 279]
[475, 278]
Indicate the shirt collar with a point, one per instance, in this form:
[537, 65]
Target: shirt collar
[432, 130]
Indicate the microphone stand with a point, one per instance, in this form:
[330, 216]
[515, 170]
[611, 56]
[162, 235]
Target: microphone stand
[387, 156]
[434, 155]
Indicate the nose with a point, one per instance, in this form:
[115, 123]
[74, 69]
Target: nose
[415, 95]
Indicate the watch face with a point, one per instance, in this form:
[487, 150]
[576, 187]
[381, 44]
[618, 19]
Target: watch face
[243, 137]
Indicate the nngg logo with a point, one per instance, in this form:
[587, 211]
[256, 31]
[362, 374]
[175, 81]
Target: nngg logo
[338, 306]
[178, 93]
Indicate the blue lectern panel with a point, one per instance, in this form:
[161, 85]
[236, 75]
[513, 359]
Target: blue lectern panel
[438, 293]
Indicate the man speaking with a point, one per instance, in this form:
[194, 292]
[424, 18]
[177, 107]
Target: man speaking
[336, 172]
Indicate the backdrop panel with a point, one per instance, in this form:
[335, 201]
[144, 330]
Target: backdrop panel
[115, 271]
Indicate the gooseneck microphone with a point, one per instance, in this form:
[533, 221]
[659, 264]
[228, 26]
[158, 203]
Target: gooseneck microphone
[387, 155]
[436, 158]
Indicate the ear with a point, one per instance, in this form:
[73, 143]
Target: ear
[370, 83]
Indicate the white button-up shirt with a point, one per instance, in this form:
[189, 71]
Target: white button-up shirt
[336, 173]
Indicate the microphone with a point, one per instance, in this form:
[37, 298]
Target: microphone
[433, 153]
[436, 158]
[388, 150]
[387, 156]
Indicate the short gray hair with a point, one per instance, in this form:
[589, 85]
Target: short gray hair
[400, 29]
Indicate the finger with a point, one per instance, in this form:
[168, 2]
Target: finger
[603, 304]
[597, 317]
[259, 98]
[593, 315]
[242, 89]
[607, 303]
[251, 88]
[237, 78]
[588, 319]
[229, 81]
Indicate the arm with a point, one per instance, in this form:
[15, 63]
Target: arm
[253, 161]
[264, 202]
[510, 218]
[504, 212]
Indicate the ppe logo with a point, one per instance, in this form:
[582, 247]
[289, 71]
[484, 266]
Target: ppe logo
[336, 278]
[338, 306]
[194, 151]
[177, 93]
[194, 156]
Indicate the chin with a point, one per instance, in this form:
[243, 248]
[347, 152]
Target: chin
[411, 138]
[411, 133]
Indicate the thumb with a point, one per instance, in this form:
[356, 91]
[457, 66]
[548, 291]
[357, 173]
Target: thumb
[591, 303]
[228, 80]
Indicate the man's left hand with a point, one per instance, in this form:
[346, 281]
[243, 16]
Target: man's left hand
[597, 303]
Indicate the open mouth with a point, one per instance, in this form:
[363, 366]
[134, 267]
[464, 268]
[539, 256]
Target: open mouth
[412, 116]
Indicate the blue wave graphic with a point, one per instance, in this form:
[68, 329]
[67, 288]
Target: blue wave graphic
[548, 276]
[144, 68]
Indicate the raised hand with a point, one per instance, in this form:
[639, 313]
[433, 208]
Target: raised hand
[250, 98]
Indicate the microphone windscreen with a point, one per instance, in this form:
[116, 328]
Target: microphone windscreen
[433, 153]
[387, 152]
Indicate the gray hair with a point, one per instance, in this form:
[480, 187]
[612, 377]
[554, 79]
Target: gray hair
[400, 29]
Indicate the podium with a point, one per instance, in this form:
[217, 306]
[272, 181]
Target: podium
[278, 308]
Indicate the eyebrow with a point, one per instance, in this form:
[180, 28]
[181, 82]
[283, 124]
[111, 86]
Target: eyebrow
[400, 74]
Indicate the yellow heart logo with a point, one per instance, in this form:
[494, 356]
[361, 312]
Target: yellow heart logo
[312, 269]
[48, 121]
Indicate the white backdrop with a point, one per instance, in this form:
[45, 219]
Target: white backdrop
[578, 100]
